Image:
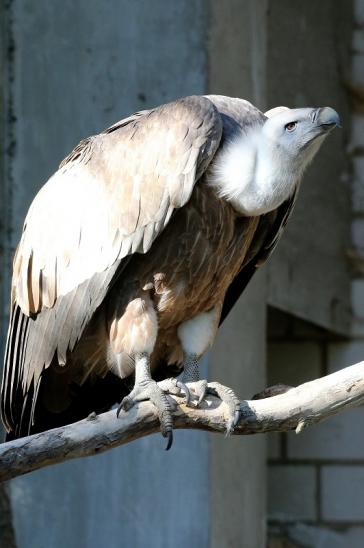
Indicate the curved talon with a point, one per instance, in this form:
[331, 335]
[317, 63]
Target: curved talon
[237, 416]
[229, 427]
[199, 390]
[169, 435]
[125, 404]
[232, 422]
[120, 407]
[182, 386]
[202, 395]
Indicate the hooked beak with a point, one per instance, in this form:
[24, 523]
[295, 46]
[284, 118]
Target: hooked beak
[326, 118]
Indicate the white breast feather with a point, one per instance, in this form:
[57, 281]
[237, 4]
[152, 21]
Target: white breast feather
[253, 176]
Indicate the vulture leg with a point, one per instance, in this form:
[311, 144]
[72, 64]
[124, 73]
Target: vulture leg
[191, 374]
[146, 388]
[135, 333]
[196, 336]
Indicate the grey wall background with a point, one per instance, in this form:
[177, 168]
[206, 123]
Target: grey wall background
[70, 69]
[309, 63]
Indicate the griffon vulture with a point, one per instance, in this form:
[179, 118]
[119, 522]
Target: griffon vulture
[137, 248]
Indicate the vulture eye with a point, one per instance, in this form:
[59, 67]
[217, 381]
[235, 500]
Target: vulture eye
[291, 126]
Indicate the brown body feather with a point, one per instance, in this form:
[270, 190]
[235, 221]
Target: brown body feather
[187, 271]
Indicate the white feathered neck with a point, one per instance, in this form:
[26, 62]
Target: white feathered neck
[253, 174]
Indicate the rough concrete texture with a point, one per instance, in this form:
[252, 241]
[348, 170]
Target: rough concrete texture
[356, 150]
[357, 233]
[293, 363]
[237, 468]
[357, 298]
[135, 496]
[309, 536]
[342, 493]
[307, 62]
[237, 49]
[7, 536]
[297, 362]
[342, 354]
[339, 437]
[358, 187]
[274, 445]
[337, 488]
[291, 493]
[334, 449]
[283, 327]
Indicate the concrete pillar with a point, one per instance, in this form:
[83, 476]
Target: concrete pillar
[238, 465]
[297, 77]
[237, 59]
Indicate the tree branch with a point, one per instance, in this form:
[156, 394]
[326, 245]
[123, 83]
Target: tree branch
[296, 409]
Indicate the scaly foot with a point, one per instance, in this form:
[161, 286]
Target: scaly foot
[157, 393]
[202, 388]
[199, 389]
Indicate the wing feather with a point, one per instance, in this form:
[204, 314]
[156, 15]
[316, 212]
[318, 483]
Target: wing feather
[268, 233]
[111, 197]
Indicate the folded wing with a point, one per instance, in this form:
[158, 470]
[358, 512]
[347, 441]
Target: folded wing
[111, 197]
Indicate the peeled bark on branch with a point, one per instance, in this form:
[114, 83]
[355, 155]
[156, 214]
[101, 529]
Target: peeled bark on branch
[296, 409]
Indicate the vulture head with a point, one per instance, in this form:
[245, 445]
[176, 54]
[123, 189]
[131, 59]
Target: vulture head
[298, 133]
[260, 168]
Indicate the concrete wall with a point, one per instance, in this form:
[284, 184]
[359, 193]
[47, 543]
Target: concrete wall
[237, 469]
[74, 69]
[315, 479]
[315, 488]
[308, 64]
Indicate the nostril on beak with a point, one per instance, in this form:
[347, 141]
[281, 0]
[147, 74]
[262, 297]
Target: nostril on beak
[314, 114]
